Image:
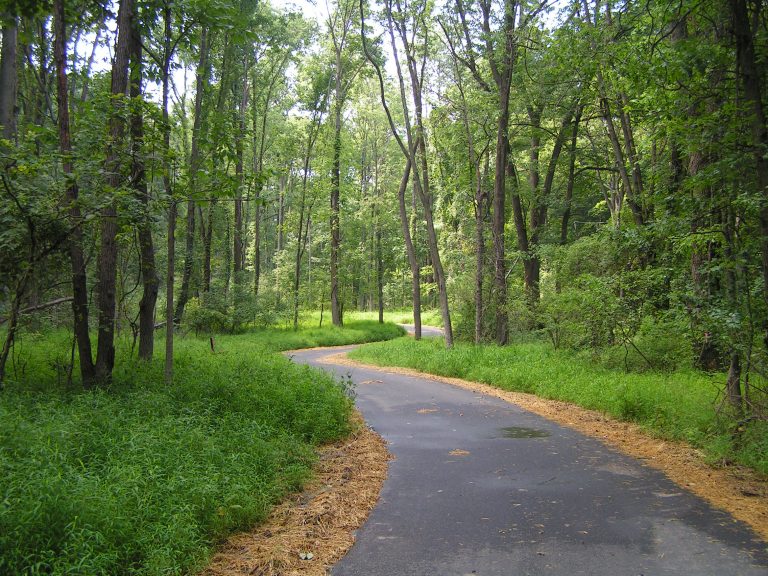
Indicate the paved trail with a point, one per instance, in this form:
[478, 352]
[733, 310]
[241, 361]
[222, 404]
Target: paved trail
[480, 487]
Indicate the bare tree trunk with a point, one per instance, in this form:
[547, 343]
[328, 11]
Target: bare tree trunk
[169, 282]
[571, 177]
[206, 228]
[301, 240]
[752, 79]
[410, 250]
[13, 323]
[733, 382]
[76, 256]
[239, 246]
[194, 165]
[8, 79]
[107, 268]
[138, 179]
[418, 150]
[406, 150]
[531, 262]
[335, 184]
[173, 206]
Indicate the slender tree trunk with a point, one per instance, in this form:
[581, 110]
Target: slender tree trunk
[571, 177]
[169, 285]
[418, 152]
[379, 276]
[406, 150]
[170, 276]
[206, 227]
[138, 179]
[238, 248]
[8, 79]
[194, 165]
[531, 262]
[303, 232]
[107, 264]
[335, 185]
[13, 322]
[410, 250]
[76, 255]
[89, 65]
[479, 257]
[752, 79]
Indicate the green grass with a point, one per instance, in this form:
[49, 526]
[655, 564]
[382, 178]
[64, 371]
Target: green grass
[309, 336]
[429, 317]
[145, 479]
[678, 405]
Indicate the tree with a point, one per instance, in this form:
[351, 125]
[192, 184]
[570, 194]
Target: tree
[71, 204]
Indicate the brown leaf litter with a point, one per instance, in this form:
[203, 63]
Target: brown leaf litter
[739, 491]
[309, 532]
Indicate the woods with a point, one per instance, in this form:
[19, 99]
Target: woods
[582, 183]
[614, 151]
[594, 170]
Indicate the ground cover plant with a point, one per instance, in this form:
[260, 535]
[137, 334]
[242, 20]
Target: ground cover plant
[143, 478]
[678, 405]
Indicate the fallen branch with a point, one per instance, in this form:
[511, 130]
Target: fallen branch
[39, 307]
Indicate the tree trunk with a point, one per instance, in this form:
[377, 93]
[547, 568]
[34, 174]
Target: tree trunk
[480, 199]
[169, 282]
[71, 204]
[138, 179]
[406, 150]
[194, 165]
[410, 250]
[733, 382]
[531, 262]
[751, 76]
[571, 177]
[173, 206]
[335, 184]
[239, 247]
[107, 268]
[13, 322]
[418, 153]
[206, 227]
[8, 79]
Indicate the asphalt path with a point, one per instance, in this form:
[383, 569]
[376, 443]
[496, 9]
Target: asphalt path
[481, 487]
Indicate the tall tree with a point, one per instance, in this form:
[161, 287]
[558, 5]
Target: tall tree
[201, 79]
[149, 278]
[411, 22]
[107, 264]
[375, 59]
[8, 75]
[346, 68]
[71, 203]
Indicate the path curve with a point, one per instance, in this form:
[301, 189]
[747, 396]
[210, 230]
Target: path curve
[479, 486]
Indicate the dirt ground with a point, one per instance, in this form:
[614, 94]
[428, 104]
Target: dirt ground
[311, 531]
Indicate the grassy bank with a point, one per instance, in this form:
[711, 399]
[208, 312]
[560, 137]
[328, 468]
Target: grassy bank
[309, 336]
[143, 478]
[678, 405]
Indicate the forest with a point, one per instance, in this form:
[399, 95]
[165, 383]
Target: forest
[586, 176]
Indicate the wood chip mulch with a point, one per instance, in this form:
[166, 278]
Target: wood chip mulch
[309, 532]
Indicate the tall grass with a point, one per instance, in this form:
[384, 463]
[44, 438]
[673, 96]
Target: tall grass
[145, 479]
[677, 405]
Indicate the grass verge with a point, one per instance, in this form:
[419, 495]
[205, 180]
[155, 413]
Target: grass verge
[679, 405]
[146, 479]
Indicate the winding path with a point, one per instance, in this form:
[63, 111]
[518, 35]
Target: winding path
[479, 486]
